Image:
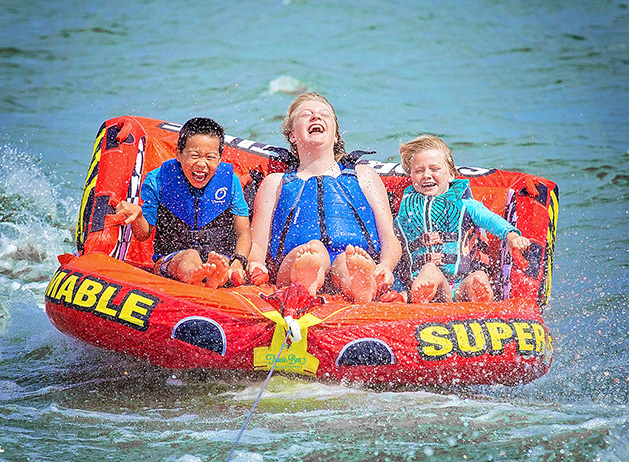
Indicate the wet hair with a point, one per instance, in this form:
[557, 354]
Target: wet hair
[291, 115]
[425, 142]
[201, 126]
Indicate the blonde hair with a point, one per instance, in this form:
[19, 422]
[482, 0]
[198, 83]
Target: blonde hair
[291, 115]
[425, 142]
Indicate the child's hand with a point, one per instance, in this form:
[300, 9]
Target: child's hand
[516, 245]
[393, 296]
[517, 242]
[384, 278]
[236, 276]
[236, 272]
[258, 273]
[130, 212]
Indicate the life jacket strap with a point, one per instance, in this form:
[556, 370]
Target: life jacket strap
[372, 248]
[428, 239]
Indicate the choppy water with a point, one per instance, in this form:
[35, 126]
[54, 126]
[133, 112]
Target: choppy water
[534, 86]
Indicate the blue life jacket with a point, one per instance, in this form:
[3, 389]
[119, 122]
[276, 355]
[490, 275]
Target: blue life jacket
[420, 214]
[333, 210]
[190, 218]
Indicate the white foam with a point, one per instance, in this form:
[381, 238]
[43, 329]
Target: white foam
[288, 85]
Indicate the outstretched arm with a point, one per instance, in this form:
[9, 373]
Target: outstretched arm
[486, 219]
[390, 247]
[498, 226]
[263, 209]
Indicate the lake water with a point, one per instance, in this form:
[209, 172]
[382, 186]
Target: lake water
[536, 86]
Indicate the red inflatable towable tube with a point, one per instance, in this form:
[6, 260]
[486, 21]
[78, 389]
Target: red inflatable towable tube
[105, 296]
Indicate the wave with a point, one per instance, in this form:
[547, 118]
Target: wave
[287, 85]
[35, 218]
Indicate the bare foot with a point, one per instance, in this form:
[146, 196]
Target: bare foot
[361, 267]
[424, 292]
[308, 270]
[200, 275]
[481, 291]
[220, 273]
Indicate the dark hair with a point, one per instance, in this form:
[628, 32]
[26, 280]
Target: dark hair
[201, 126]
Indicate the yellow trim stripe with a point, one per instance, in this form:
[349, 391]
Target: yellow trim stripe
[551, 237]
[89, 186]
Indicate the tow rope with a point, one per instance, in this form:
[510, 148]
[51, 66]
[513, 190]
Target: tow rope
[242, 430]
[298, 296]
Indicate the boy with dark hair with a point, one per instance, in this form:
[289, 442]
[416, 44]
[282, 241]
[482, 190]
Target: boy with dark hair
[196, 204]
